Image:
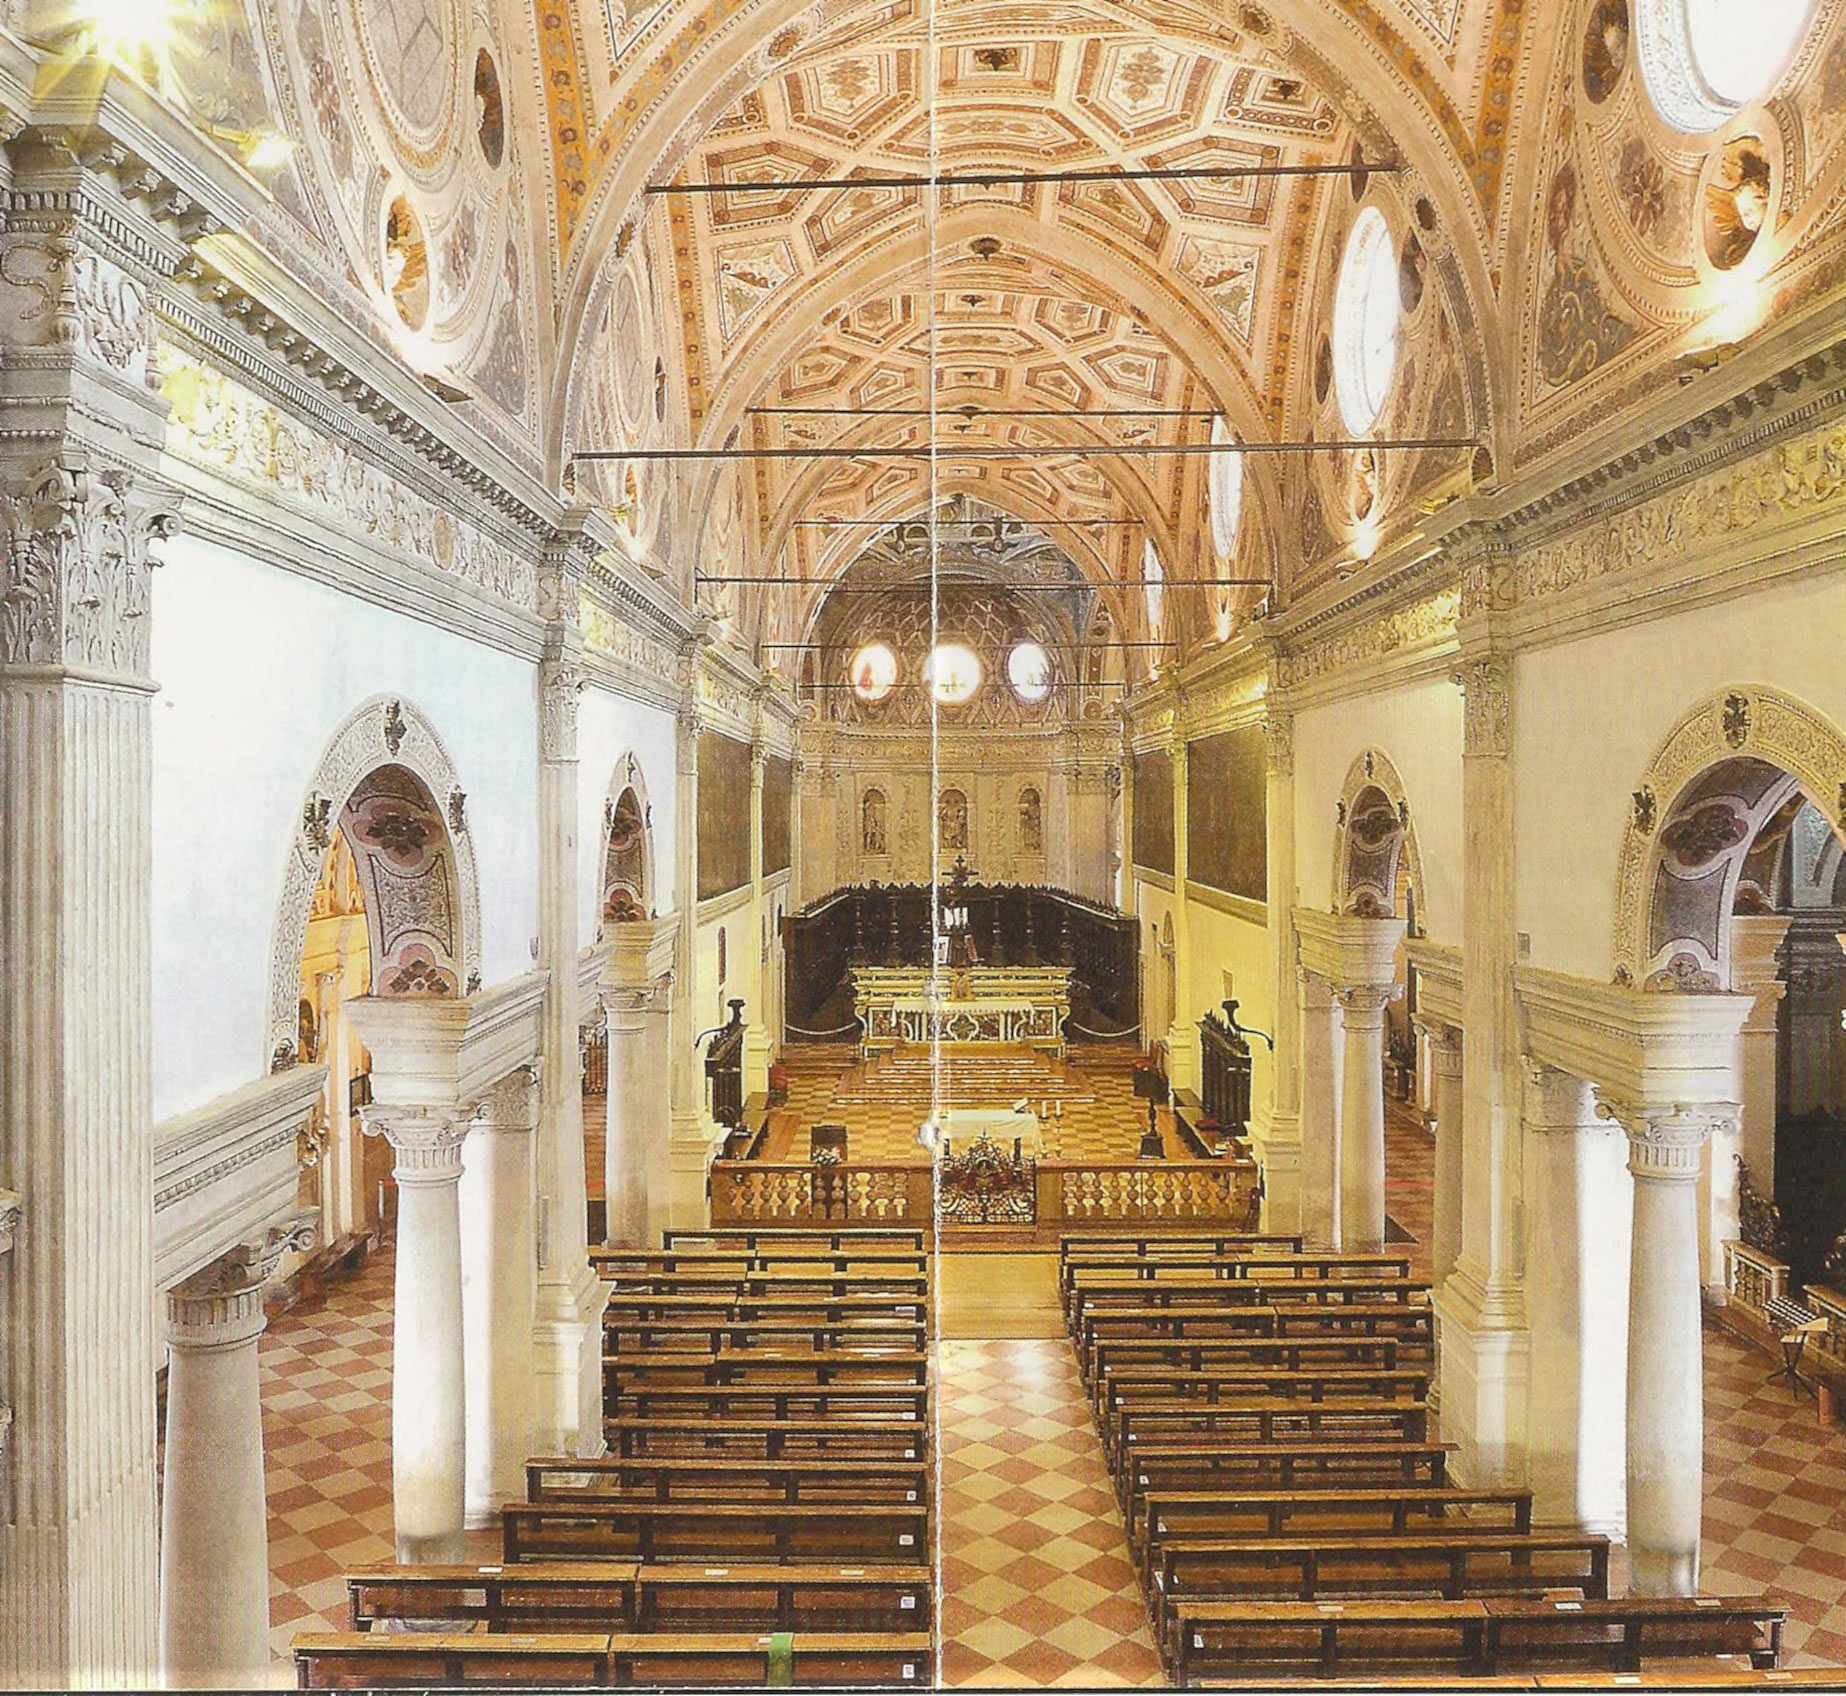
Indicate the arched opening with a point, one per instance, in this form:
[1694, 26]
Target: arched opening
[627, 868]
[1749, 895]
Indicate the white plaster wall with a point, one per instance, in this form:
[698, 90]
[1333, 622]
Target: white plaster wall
[610, 728]
[1419, 729]
[1224, 943]
[1589, 716]
[257, 668]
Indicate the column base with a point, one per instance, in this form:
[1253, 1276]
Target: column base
[567, 1351]
[1484, 1371]
[1278, 1148]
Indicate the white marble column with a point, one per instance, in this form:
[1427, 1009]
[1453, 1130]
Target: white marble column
[1578, 1222]
[1756, 970]
[657, 1150]
[1444, 1047]
[567, 1318]
[428, 1407]
[691, 1142]
[636, 1111]
[498, 1282]
[1279, 1122]
[1182, 1035]
[1320, 1113]
[80, 513]
[1666, 1409]
[214, 1532]
[1362, 1118]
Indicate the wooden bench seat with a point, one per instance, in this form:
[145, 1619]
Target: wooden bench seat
[1619, 1635]
[1163, 1514]
[1390, 1564]
[1110, 1357]
[751, 1660]
[781, 1239]
[746, 1283]
[625, 1375]
[726, 1530]
[667, 1337]
[1117, 1395]
[843, 1438]
[1151, 1245]
[1723, 1678]
[1293, 1463]
[1266, 1419]
[567, 1596]
[819, 1306]
[688, 1596]
[723, 1402]
[1238, 1641]
[419, 1660]
[700, 1479]
[1250, 1288]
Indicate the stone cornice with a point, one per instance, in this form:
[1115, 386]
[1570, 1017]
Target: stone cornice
[1439, 982]
[446, 1054]
[1348, 951]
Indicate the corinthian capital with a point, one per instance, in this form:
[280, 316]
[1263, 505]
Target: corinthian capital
[1668, 1142]
[78, 551]
[426, 1140]
[1365, 1002]
[1279, 729]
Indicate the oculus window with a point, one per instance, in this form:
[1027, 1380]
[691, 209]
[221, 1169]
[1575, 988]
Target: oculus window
[874, 672]
[1365, 317]
[1705, 60]
[953, 673]
[1028, 669]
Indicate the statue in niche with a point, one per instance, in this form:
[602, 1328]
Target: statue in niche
[872, 838]
[952, 821]
[1031, 822]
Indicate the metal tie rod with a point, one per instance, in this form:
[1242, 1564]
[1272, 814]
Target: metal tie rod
[1020, 450]
[1009, 179]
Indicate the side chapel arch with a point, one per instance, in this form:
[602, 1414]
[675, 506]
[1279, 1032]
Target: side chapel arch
[1376, 842]
[1743, 752]
[386, 781]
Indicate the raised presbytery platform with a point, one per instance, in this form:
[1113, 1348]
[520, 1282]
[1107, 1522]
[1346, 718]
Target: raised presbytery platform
[1026, 1005]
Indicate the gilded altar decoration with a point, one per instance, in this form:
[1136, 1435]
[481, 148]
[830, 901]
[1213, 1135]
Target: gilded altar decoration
[987, 1185]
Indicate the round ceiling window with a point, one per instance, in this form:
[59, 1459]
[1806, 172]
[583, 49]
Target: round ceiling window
[1365, 314]
[874, 672]
[1225, 486]
[1028, 669]
[1705, 60]
[953, 673]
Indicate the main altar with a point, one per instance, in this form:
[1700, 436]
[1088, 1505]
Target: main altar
[897, 1005]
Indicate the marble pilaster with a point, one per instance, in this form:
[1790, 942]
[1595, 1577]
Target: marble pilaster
[1182, 1035]
[1279, 1122]
[1320, 1113]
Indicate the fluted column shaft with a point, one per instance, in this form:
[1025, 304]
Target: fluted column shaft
[1362, 1119]
[494, 1207]
[1320, 1114]
[1182, 1034]
[428, 1407]
[636, 1113]
[690, 1147]
[1666, 1415]
[1281, 1128]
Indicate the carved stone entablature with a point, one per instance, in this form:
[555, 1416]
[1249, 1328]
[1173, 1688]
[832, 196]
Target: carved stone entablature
[64, 303]
[74, 574]
[225, 429]
[1424, 626]
[640, 661]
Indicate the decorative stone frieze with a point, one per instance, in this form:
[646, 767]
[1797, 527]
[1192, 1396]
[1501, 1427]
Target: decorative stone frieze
[1423, 626]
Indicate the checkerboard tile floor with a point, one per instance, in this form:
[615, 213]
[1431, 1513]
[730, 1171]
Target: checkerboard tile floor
[1037, 1589]
[326, 1377]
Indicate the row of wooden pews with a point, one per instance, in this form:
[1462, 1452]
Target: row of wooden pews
[1263, 1413]
[762, 1516]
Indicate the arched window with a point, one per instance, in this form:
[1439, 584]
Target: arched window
[1031, 822]
[952, 821]
[872, 837]
[1705, 60]
[1224, 487]
[1365, 315]
[1028, 669]
[1153, 584]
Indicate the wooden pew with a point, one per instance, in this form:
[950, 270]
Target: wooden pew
[722, 1402]
[1206, 1514]
[816, 1308]
[1151, 1245]
[669, 1337]
[727, 1530]
[1145, 1431]
[1113, 1357]
[1176, 1391]
[845, 1368]
[810, 1239]
[686, 1596]
[567, 1596]
[1233, 1641]
[741, 1279]
[1727, 1678]
[419, 1660]
[1075, 1272]
[751, 1660]
[1291, 1466]
[1619, 1635]
[700, 1479]
[842, 1438]
[1371, 1568]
